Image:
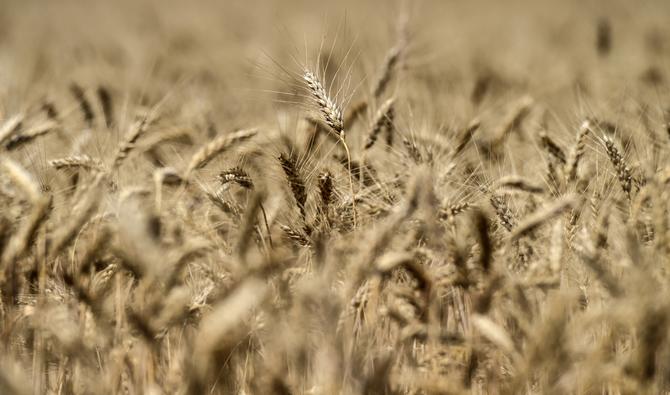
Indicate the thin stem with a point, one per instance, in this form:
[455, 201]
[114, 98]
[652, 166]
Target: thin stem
[351, 180]
[265, 219]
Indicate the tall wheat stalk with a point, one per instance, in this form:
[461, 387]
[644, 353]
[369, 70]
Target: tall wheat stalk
[332, 115]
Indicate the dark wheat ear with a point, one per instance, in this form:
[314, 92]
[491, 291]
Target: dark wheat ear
[520, 184]
[31, 134]
[390, 62]
[465, 136]
[326, 189]
[383, 120]
[326, 193]
[84, 105]
[503, 212]
[603, 37]
[295, 182]
[107, 104]
[552, 147]
[50, 110]
[623, 172]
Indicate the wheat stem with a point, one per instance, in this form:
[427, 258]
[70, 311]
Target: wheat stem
[351, 180]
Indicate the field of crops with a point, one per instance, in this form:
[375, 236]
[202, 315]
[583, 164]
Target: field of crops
[355, 197]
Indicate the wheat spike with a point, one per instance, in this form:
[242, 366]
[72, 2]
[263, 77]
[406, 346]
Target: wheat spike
[541, 216]
[519, 183]
[554, 149]
[30, 134]
[217, 147]
[619, 163]
[77, 161]
[577, 151]
[107, 104]
[84, 105]
[383, 120]
[390, 62]
[237, 176]
[10, 127]
[295, 181]
[331, 112]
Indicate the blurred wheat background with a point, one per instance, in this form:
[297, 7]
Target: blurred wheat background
[355, 197]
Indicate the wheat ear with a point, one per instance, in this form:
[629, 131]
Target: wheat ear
[10, 127]
[541, 216]
[84, 105]
[77, 162]
[577, 151]
[296, 183]
[216, 147]
[23, 138]
[623, 172]
[383, 119]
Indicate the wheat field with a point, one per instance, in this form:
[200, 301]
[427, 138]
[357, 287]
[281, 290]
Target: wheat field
[355, 197]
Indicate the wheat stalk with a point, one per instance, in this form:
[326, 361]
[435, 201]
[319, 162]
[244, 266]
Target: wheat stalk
[332, 115]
